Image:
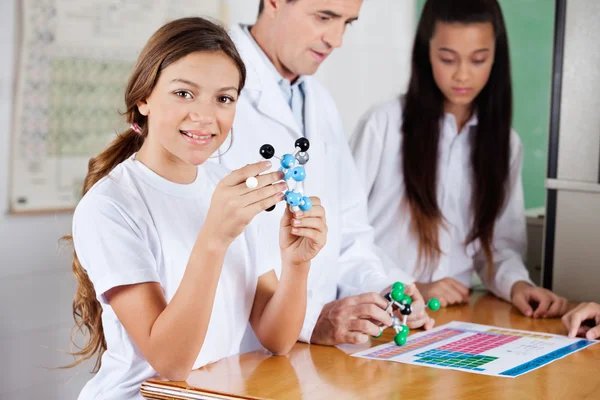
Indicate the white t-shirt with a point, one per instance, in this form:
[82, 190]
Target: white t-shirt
[134, 226]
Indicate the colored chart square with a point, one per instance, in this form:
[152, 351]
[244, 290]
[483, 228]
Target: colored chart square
[451, 358]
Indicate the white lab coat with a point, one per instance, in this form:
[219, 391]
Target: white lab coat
[348, 262]
[376, 146]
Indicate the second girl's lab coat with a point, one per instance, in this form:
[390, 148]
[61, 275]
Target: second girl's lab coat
[376, 147]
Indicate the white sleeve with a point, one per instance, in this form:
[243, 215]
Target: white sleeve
[313, 311]
[110, 246]
[367, 149]
[510, 237]
[361, 269]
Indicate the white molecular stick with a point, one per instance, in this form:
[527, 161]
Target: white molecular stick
[292, 165]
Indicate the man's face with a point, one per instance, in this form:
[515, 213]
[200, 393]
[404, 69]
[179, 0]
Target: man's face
[307, 31]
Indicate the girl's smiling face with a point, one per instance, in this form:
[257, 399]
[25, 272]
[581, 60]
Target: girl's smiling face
[191, 108]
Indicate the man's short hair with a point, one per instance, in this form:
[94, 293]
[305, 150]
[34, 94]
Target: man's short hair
[261, 6]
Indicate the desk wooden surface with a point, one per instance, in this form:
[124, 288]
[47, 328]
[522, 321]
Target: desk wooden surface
[320, 372]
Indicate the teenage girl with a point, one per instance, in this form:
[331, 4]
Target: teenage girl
[166, 258]
[442, 166]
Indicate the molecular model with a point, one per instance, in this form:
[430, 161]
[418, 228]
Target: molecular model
[403, 301]
[292, 165]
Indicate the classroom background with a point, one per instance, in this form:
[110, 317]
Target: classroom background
[36, 281]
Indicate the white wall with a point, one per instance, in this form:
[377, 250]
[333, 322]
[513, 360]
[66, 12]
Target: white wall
[372, 66]
[36, 284]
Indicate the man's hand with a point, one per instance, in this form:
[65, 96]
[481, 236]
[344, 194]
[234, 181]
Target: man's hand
[351, 320]
[447, 290]
[418, 318]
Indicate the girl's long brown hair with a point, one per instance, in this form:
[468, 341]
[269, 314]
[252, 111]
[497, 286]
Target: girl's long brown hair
[170, 43]
[422, 112]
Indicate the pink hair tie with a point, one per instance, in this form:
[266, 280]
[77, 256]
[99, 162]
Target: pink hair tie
[136, 128]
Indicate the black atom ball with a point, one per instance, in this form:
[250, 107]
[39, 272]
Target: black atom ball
[407, 310]
[303, 144]
[267, 151]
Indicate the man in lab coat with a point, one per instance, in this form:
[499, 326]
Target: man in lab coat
[282, 102]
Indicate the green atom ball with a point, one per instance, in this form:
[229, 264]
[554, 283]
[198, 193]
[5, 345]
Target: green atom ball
[396, 295]
[398, 286]
[404, 330]
[400, 339]
[406, 299]
[433, 304]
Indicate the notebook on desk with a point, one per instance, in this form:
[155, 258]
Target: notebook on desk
[158, 389]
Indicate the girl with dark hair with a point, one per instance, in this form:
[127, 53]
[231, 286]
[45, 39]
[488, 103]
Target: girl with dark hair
[166, 258]
[442, 166]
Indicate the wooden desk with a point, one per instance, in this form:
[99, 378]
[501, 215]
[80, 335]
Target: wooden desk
[320, 372]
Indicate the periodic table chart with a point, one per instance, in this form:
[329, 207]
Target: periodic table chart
[479, 349]
[74, 59]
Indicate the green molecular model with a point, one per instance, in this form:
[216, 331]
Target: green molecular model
[403, 301]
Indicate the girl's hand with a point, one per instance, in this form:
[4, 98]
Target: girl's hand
[234, 205]
[577, 320]
[303, 234]
[537, 302]
[447, 290]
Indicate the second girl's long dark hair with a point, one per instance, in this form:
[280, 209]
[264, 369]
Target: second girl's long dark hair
[423, 112]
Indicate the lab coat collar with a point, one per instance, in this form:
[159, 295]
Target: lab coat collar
[451, 119]
[261, 86]
[314, 129]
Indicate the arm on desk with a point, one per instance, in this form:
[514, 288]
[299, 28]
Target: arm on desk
[280, 307]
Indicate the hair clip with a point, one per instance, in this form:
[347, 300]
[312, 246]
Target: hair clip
[136, 128]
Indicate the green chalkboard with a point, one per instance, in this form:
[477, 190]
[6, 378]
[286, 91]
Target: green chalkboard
[530, 25]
